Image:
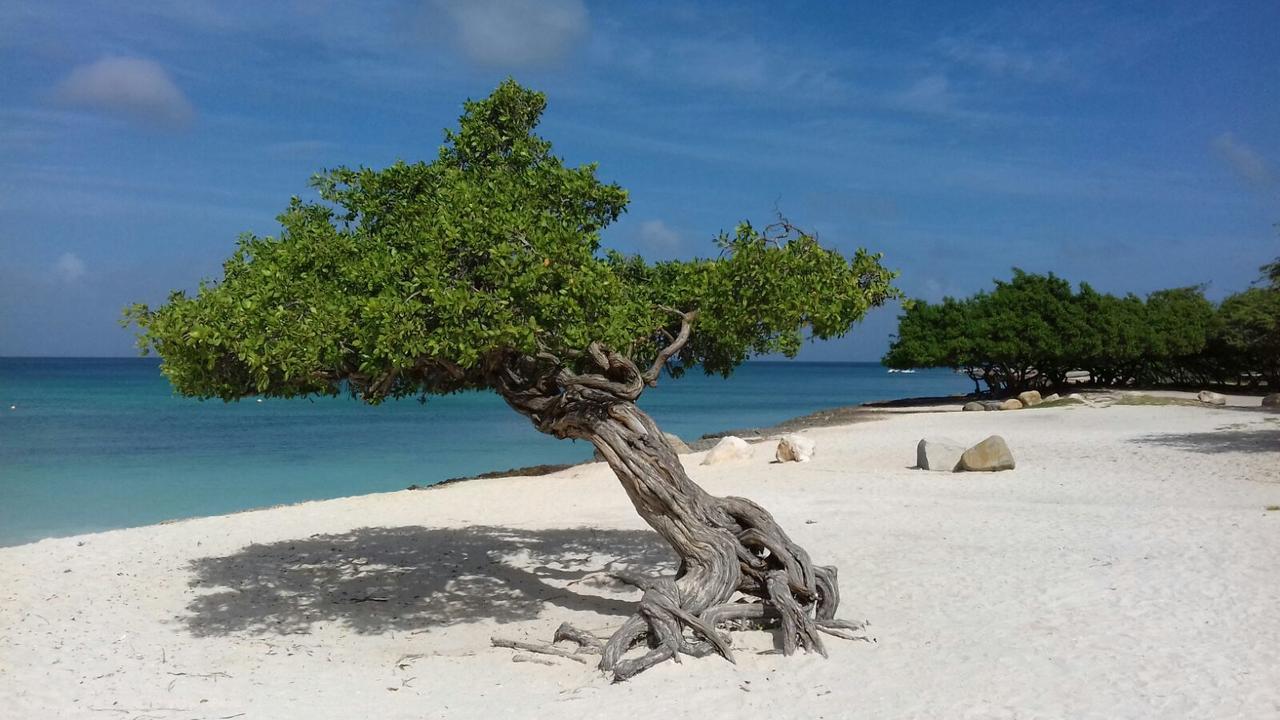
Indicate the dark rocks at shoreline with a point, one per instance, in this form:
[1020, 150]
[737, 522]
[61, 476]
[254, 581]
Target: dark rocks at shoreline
[528, 471]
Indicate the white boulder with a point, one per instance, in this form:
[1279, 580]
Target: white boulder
[1030, 398]
[794, 448]
[729, 449]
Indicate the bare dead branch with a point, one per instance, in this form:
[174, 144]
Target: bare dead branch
[537, 648]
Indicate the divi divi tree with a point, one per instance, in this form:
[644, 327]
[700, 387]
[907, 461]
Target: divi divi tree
[483, 270]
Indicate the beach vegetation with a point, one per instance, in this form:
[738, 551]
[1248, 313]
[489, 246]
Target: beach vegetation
[1034, 331]
[484, 269]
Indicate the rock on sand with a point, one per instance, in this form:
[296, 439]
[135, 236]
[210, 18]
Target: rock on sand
[989, 455]
[729, 449]
[938, 454]
[794, 448]
[1211, 398]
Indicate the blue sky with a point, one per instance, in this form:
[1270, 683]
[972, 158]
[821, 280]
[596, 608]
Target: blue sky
[1131, 146]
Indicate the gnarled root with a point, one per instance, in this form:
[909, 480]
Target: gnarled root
[757, 578]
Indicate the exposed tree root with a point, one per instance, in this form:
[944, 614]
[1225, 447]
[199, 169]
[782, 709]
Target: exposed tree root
[762, 581]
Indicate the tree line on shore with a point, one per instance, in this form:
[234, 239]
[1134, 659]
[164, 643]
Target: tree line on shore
[1032, 330]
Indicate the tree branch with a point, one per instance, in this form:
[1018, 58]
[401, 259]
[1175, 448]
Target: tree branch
[650, 376]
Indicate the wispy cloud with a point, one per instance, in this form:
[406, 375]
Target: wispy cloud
[934, 95]
[515, 33]
[655, 237]
[1004, 61]
[69, 267]
[733, 61]
[134, 87]
[1243, 160]
[300, 148]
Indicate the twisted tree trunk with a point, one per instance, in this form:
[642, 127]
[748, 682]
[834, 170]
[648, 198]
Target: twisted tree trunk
[736, 563]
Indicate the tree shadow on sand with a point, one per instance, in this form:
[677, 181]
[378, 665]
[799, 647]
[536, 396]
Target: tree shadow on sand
[377, 579]
[1226, 440]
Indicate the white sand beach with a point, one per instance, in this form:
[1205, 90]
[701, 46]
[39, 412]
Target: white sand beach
[1128, 568]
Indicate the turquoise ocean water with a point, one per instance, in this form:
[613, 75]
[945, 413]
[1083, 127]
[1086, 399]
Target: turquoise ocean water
[94, 444]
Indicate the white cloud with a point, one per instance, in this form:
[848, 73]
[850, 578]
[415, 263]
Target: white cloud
[1243, 160]
[1040, 66]
[930, 94]
[654, 236]
[137, 88]
[934, 95]
[69, 267]
[516, 33]
[301, 148]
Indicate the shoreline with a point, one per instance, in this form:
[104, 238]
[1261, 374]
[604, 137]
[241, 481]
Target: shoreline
[845, 414]
[838, 416]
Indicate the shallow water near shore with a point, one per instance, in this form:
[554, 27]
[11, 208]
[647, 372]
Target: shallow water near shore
[102, 443]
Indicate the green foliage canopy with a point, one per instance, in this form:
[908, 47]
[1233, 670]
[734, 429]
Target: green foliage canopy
[1033, 329]
[422, 278]
[1247, 333]
[1029, 324]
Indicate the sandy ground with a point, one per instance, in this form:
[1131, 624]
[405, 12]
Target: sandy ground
[1127, 569]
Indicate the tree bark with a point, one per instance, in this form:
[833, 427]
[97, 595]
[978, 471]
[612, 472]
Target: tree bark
[736, 563]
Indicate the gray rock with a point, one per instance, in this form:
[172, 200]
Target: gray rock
[1052, 398]
[990, 455]
[1272, 400]
[1211, 398]
[794, 448]
[938, 454]
[1030, 398]
[990, 404]
[974, 406]
[1011, 404]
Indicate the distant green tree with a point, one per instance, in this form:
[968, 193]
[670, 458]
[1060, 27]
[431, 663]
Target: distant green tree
[1028, 331]
[1033, 329]
[1178, 323]
[1247, 333]
[936, 335]
[1271, 272]
[483, 270]
[1114, 345]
